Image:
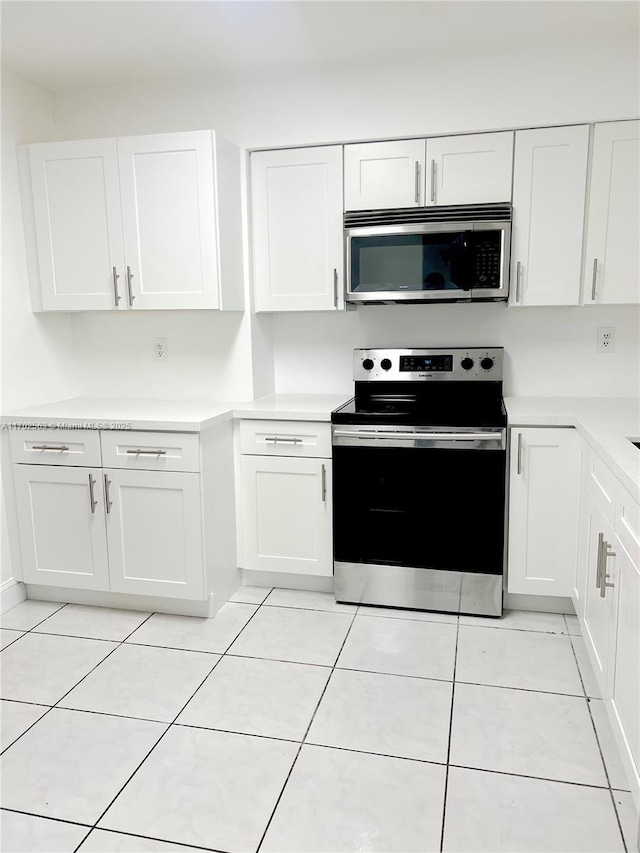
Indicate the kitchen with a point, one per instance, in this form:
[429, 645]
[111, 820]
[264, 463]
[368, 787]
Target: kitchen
[282, 91]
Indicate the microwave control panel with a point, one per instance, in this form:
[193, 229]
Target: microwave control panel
[487, 258]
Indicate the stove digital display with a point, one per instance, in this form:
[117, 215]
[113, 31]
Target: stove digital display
[426, 363]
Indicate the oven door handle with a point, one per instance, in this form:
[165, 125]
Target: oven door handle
[413, 436]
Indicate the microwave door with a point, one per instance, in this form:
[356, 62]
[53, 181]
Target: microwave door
[445, 263]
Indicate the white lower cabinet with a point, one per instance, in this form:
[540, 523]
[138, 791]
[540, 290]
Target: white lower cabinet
[544, 492]
[62, 529]
[286, 505]
[154, 532]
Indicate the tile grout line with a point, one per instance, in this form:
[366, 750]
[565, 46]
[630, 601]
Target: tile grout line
[446, 773]
[304, 738]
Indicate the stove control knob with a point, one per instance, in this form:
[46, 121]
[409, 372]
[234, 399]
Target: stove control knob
[367, 364]
[466, 363]
[486, 363]
[385, 364]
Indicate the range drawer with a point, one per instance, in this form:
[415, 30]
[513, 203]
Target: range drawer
[285, 438]
[56, 447]
[151, 451]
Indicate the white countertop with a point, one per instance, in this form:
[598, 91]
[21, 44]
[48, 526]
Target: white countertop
[606, 423]
[172, 415]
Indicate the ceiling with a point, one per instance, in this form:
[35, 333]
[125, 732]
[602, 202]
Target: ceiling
[62, 45]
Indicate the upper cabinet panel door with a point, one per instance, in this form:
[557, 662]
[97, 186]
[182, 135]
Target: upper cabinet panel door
[549, 185]
[381, 175]
[169, 220]
[473, 169]
[76, 208]
[611, 273]
[297, 229]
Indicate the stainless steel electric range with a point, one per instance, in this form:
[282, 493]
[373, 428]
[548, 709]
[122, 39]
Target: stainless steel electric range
[419, 459]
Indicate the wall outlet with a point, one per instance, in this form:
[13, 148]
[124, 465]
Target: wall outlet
[160, 350]
[606, 339]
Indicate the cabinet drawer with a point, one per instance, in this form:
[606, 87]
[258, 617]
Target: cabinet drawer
[56, 447]
[285, 438]
[627, 524]
[602, 484]
[151, 451]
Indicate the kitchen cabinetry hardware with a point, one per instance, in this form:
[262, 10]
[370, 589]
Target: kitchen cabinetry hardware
[518, 272]
[433, 181]
[594, 279]
[604, 554]
[284, 439]
[417, 196]
[335, 288]
[129, 290]
[599, 561]
[519, 453]
[107, 500]
[116, 295]
[58, 447]
[141, 452]
[92, 500]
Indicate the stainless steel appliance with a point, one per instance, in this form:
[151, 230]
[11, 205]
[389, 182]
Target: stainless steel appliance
[432, 254]
[419, 462]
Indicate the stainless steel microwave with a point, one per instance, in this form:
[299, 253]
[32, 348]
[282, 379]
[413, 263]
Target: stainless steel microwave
[437, 254]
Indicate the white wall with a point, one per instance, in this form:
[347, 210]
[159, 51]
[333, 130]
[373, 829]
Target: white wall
[37, 363]
[551, 350]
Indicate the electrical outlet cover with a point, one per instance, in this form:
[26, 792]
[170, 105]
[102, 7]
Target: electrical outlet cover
[606, 340]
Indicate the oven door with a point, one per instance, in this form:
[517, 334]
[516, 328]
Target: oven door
[419, 518]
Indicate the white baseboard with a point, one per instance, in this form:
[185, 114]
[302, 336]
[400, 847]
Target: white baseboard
[124, 601]
[12, 592]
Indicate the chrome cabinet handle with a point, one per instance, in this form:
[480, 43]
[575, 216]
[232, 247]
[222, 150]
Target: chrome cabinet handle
[107, 500]
[433, 181]
[116, 295]
[277, 439]
[594, 279]
[518, 279]
[335, 288]
[58, 447]
[606, 553]
[140, 451]
[129, 291]
[92, 499]
[599, 561]
[324, 484]
[417, 179]
[519, 453]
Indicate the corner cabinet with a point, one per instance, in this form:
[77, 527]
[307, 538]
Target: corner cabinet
[612, 270]
[549, 187]
[143, 222]
[296, 220]
[286, 505]
[544, 491]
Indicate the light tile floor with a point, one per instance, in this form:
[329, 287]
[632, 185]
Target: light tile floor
[290, 723]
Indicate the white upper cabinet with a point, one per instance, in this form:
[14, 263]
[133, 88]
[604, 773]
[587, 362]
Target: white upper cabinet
[549, 186]
[297, 229]
[611, 272]
[474, 169]
[136, 222]
[381, 175]
[78, 224]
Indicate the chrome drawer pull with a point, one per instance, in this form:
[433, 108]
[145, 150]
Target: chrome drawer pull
[107, 498]
[604, 576]
[116, 295]
[58, 447]
[324, 484]
[92, 499]
[129, 290]
[519, 453]
[142, 452]
[594, 280]
[277, 439]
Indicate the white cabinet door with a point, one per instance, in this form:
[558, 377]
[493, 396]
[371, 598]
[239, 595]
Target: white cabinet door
[474, 169]
[76, 208]
[169, 220]
[611, 274]
[543, 510]
[380, 175]
[549, 186]
[297, 229]
[624, 688]
[154, 531]
[61, 519]
[599, 611]
[286, 515]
